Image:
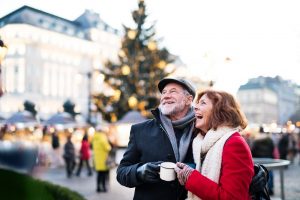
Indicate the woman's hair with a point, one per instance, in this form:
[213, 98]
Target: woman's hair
[85, 137]
[225, 111]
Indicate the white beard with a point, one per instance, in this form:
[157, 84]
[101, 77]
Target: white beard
[172, 109]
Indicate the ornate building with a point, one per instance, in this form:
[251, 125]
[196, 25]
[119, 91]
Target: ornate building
[268, 100]
[50, 59]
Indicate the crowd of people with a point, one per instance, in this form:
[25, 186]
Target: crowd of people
[93, 154]
[266, 144]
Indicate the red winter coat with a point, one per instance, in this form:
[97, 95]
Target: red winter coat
[235, 177]
[85, 153]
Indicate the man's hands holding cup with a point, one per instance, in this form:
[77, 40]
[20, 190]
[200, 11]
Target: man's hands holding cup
[149, 172]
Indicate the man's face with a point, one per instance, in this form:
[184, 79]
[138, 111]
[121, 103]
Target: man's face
[174, 100]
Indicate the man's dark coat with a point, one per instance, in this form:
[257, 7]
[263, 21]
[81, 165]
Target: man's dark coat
[150, 143]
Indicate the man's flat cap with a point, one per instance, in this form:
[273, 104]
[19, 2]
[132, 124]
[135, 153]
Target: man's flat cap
[184, 83]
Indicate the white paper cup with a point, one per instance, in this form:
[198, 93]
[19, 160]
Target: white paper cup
[167, 171]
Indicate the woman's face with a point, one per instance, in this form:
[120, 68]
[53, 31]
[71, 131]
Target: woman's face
[203, 111]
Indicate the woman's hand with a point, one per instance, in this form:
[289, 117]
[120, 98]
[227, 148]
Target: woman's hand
[183, 172]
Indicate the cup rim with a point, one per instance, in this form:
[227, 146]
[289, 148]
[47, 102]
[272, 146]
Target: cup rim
[173, 165]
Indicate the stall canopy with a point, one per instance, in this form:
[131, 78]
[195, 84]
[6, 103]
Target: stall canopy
[24, 117]
[64, 119]
[132, 117]
[122, 127]
[60, 118]
[2, 120]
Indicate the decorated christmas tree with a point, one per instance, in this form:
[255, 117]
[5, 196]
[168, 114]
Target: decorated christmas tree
[134, 79]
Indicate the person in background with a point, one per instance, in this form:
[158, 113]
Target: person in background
[101, 148]
[224, 165]
[3, 129]
[56, 160]
[292, 147]
[283, 146]
[85, 155]
[167, 137]
[69, 156]
[298, 147]
[263, 147]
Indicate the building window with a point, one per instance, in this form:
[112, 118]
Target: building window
[53, 25]
[21, 49]
[54, 81]
[46, 82]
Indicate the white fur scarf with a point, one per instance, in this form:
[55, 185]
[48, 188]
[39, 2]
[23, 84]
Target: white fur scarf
[211, 145]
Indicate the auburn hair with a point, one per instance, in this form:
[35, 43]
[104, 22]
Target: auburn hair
[225, 111]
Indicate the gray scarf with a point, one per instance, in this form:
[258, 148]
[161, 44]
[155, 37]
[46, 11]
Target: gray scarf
[187, 125]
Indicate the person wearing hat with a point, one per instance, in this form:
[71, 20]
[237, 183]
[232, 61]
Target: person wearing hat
[165, 138]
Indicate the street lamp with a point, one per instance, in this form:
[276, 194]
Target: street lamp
[3, 51]
[92, 76]
[89, 117]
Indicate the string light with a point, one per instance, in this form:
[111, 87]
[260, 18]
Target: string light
[125, 70]
[131, 34]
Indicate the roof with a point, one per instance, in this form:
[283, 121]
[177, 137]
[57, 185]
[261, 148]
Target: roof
[22, 117]
[41, 19]
[60, 118]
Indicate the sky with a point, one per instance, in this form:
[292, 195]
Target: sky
[227, 41]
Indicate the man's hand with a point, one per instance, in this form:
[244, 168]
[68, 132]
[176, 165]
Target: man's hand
[183, 172]
[149, 172]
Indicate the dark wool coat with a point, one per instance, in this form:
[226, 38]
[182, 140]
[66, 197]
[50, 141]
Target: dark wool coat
[150, 143]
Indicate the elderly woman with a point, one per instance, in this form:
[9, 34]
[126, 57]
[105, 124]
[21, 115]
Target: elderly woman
[224, 166]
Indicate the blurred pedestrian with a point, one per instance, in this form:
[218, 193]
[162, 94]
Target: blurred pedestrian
[3, 130]
[69, 156]
[298, 144]
[283, 146]
[56, 160]
[101, 148]
[85, 155]
[292, 147]
[263, 147]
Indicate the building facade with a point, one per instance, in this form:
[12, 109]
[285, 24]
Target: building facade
[259, 104]
[51, 59]
[268, 100]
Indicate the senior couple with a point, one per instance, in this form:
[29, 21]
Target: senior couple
[206, 135]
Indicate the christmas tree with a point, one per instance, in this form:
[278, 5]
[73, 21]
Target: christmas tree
[134, 79]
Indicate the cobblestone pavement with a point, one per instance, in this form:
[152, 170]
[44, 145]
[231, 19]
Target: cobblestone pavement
[86, 185]
[291, 182]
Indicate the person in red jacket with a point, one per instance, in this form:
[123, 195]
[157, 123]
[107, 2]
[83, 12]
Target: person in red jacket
[85, 154]
[224, 165]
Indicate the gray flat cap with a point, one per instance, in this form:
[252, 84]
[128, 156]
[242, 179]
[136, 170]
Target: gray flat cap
[184, 83]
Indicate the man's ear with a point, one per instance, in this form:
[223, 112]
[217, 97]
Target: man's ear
[190, 99]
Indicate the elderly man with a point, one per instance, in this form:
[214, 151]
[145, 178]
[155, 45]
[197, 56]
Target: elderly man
[167, 137]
